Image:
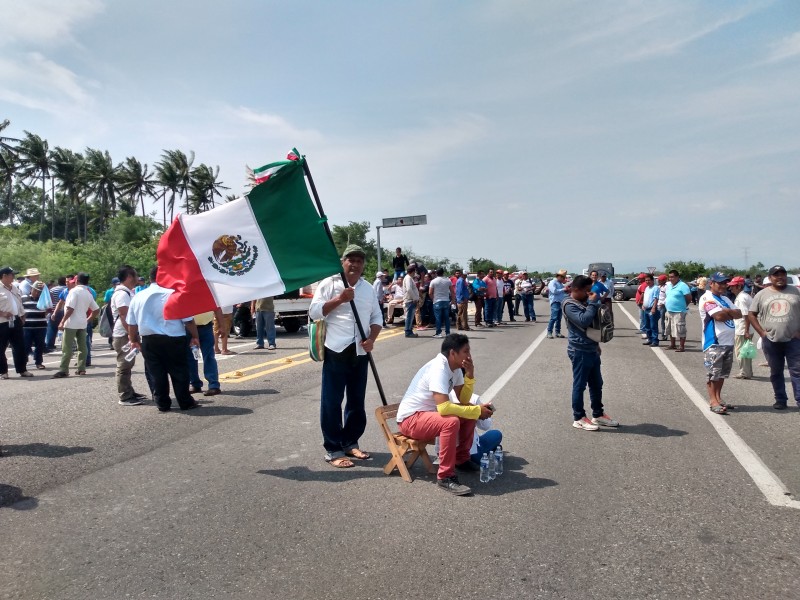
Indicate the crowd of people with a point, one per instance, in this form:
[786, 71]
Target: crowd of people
[440, 401]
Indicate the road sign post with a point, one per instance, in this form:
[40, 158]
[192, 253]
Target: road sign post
[398, 222]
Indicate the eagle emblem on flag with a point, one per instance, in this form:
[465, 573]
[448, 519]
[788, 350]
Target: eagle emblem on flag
[232, 256]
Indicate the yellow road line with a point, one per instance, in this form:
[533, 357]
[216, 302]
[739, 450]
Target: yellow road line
[288, 362]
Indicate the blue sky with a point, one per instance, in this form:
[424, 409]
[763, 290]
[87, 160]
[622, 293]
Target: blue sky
[546, 134]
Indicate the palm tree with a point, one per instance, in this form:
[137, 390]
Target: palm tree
[136, 182]
[35, 162]
[203, 187]
[104, 178]
[169, 178]
[69, 170]
[8, 167]
[182, 165]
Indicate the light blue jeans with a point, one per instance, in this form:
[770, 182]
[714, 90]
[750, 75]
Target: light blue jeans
[265, 326]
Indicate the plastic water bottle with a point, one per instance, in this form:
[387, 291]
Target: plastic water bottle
[59, 338]
[196, 352]
[498, 459]
[492, 466]
[132, 354]
[485, 468]
[126, 347]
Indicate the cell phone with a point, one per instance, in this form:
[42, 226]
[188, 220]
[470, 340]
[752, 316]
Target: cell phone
[491, 407]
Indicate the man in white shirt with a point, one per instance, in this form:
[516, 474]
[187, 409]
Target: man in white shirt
[410, 299]
[742, 332]
[119, 304]
[397, 300]
[440, 291]
[344, 368]
[12, 318]
[425, 412]
[80, 306]
[717, 314]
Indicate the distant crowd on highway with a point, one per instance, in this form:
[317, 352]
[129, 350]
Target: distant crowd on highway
[440, 402]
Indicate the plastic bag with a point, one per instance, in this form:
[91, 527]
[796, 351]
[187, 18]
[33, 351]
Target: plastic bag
[748, 350]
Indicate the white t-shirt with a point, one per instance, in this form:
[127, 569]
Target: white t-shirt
[742, 302]
[121, 297]
[434, 376]
[440, 289]
[81, 301]
[724, 330]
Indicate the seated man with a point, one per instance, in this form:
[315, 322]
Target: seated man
[397, 300]
[426, 412]
[482, 443]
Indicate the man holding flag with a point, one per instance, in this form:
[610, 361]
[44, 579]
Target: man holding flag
[345, 365]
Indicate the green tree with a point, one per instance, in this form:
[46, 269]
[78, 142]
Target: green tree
[688, 269]
[204, 187]
[9, 164]
[69, 171]
[136, 182]
[35, 162]
[169, 178]
[103, 177]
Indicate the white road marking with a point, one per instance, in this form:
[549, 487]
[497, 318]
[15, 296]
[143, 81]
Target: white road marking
[770, 484]
[498, 384]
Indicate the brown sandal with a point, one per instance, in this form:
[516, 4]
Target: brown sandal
[341, 462]
[358, 454]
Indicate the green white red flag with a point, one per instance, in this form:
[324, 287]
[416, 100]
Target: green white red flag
[267, 243]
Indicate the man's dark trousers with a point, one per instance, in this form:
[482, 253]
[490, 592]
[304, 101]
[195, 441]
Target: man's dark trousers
[165, 360]
[343, 373]
[15, 337]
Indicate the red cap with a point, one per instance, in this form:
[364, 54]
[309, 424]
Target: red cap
[642, 276]
[738, 280]
[662, 277]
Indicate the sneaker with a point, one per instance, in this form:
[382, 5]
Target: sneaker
[644, 336]
[411, 335]
[549, 336]
[272, 347]
[605, 420]
[258, 348]
[438, 335]
[130, 402]
[586, 424]
[468, 466]
[452, 485]
[779, 406]
[558, 335]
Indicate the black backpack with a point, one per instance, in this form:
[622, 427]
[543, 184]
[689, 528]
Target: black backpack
[602, 328]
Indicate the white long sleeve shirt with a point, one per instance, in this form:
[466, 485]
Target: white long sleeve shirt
[341, 324]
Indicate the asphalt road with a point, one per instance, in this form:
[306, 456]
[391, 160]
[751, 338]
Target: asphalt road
[234, 500]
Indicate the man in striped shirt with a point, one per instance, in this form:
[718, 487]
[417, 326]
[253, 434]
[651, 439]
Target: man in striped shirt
[35, 327]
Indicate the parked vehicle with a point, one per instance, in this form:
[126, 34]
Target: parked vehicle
[599, 267]
[626, 290]
[790, 280]
[291, 312]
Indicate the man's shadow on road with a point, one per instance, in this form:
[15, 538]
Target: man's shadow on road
[12, 497]
[655, 430]
[42, 450]
[512, 480]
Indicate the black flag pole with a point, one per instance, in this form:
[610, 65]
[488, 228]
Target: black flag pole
[344, 279]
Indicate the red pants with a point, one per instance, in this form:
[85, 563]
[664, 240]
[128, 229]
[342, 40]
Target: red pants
[455, 437]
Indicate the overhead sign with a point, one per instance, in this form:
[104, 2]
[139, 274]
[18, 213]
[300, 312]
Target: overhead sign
[651, 270]
[405, 221]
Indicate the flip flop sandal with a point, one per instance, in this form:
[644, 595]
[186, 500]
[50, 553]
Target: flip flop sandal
[719, 409]
[728, 406]
[679, 350]
[40, 367]
[341, 462]
[358, 454]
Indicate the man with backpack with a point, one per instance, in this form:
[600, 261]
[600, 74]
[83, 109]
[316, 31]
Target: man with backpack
[117, 313]
[580, 310]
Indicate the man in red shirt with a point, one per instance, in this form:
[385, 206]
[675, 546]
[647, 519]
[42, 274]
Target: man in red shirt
[639, 298]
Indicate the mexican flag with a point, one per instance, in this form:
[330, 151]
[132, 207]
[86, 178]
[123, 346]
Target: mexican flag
[269, 242]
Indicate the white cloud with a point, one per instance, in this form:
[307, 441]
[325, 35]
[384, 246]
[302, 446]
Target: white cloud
[34, 81]
[44, 21]
[788, 47]
[274, 126]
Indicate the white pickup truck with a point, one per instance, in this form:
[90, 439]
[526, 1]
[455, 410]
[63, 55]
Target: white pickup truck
[291, 312]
